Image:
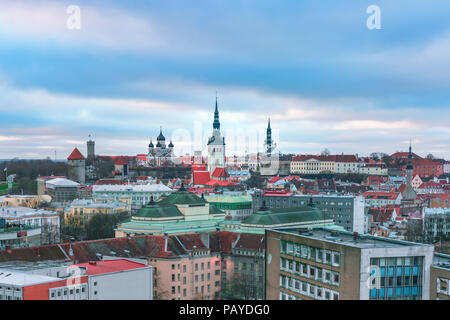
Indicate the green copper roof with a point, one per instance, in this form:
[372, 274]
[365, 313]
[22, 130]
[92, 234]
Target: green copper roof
[182, 197]
[285, 216]
[157, 211]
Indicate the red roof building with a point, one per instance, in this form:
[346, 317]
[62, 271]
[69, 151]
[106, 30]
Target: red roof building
[121, 161]
[76, 155]
[200, 178]
[220, 173]
[109, 266]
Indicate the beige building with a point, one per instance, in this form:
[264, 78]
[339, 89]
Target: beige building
[84, 209]
[29, 201]
[313, 164]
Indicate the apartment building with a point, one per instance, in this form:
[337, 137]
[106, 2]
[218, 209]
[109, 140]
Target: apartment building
[338, 265]
[346, 211]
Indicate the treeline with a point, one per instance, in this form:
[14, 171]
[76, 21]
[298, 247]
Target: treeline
[31, 169]
[99, 226]
[27, 171]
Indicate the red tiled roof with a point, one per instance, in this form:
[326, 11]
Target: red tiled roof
[404, 155]
[107, 182]
[220, 173]
[121, 161]
[191, 241]
[109, 266]
[219, 183]
[200, 177]
[430, 184]
[142, 157]
[76, 155]
[274, 179]
[250, 241]
[380, 195]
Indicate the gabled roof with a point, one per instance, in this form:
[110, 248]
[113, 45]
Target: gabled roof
[121, 161]
[220, 173]
[200, 177]
[380, 195]
[76, 155]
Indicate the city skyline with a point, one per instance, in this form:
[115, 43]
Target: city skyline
[130, 69]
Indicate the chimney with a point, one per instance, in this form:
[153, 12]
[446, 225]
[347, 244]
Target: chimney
[165, 241]
[355, 236]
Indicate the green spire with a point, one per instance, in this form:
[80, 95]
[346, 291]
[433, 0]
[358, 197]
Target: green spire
[216, 123]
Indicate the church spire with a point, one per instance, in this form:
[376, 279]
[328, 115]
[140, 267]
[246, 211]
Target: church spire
[409, 166]
[216, 123]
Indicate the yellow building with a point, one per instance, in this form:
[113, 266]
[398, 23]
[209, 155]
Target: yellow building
[81, 210]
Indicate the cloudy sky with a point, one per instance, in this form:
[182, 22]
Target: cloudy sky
[313, 66]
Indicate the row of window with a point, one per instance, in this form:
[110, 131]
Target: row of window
[307, 289]
[398, 292]
[308, 271]
[315, 254]
[70, 293]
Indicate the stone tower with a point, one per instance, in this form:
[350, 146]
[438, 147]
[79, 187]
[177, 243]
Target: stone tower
[90, 148]
[77, 166]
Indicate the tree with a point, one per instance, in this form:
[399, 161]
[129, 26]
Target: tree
[387, 160]
[414, 231]
[430, 156]
[101, 225]
[325, 152]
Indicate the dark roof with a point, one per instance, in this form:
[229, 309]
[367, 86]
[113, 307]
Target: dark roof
[285, 216]
[182, 197]
[158, 211]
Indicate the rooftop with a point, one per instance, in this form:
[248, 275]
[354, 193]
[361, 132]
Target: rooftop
[15, 278]
[347, 239]
[109, 266]
[62, 182]
[132, 188]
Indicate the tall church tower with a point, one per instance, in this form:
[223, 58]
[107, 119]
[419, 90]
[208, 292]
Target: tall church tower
[409, 193]
[268, 142]
[216, 145]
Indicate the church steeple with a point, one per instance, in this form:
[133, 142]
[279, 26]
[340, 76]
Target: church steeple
[268, 139]
[409, 166]
[216, 123]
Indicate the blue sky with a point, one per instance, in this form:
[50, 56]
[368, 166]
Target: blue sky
[323, 77]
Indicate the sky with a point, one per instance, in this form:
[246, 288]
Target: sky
[314, 67]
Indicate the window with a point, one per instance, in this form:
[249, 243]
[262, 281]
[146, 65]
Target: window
[173, 290]
[196, 267]
[184, 292]
[336, 278]
[173, 277]
[336, 258]
[173, 267]
[327, 257]
[184, 268]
